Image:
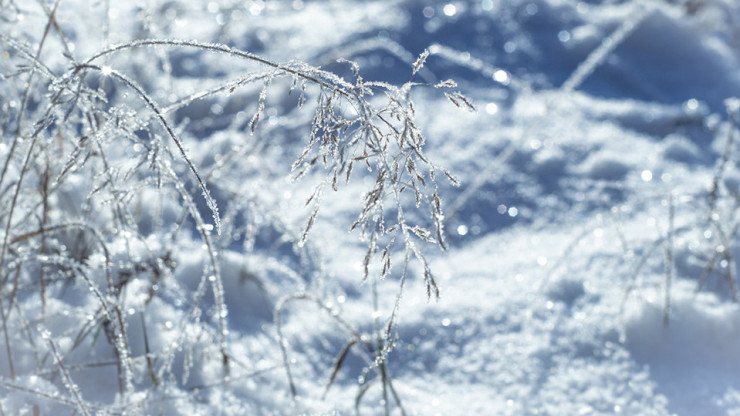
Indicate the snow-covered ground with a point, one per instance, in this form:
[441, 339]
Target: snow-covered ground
[591, 251]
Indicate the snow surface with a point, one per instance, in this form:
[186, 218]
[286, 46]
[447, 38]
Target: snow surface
[590, 267]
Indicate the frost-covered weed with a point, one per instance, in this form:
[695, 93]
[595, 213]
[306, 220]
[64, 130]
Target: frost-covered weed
[128, 180]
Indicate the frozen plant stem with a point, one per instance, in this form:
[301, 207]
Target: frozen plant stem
[668, 262]
[214, 48]
[380, 346]
[71, 386]
[7, 340]
[715, 218]
[158, 113]
[607, 46]
[382, 350]
[283, 342]
[16, 193]
[721, 166]
[27, 91]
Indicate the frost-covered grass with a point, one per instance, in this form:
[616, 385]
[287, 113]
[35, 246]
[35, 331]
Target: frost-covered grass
[179, 178]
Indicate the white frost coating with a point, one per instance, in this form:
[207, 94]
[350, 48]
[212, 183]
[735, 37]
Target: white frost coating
[580, 203]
